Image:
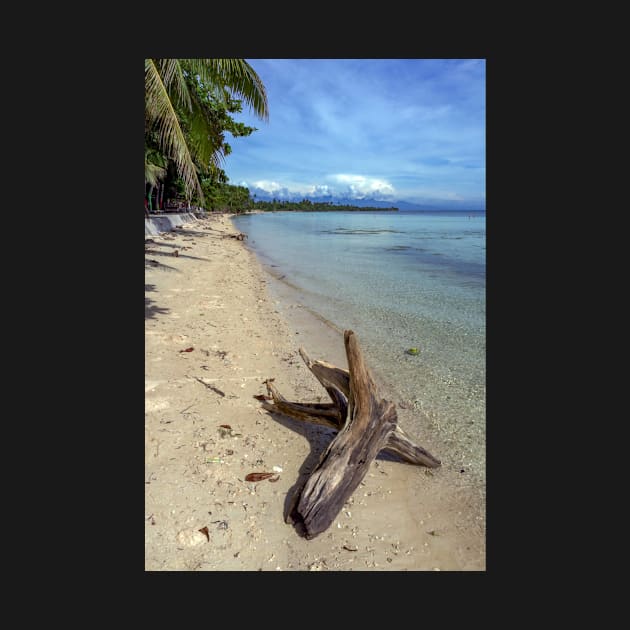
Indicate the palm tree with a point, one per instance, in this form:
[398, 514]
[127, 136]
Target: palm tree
[166, 91]
[154, 171]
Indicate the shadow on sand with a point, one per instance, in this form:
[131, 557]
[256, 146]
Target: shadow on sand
[150, 308]
[156, 252]
[319, 437]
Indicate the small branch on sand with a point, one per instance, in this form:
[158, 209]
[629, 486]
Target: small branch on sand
[214, 389]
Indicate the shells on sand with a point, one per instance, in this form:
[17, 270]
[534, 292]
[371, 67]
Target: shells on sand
[191, 537]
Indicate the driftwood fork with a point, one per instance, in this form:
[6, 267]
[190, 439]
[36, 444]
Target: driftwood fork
[366, 424]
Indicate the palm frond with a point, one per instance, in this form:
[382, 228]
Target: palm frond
[204, 137]
[173, 78]
[153, 156]
[236, 75]
[154, 166]
[160, 111]
[153, 173]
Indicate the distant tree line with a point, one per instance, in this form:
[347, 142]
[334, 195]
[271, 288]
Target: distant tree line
[306, 205]
[224, 197]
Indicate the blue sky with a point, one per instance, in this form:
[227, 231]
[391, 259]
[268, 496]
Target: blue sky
[386, 129]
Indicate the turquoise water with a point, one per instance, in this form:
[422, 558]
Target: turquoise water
[399, 280]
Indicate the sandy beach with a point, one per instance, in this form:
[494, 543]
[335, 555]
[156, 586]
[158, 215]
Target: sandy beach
[213, 335]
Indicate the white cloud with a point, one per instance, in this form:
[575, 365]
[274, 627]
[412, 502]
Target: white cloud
[321, 190]
[265, 188]
[269, 186]
[349, 186]
[359, 186]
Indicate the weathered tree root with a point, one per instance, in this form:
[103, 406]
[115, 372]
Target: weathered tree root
[365, 423]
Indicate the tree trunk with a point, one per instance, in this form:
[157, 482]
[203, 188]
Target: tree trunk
[161, 193]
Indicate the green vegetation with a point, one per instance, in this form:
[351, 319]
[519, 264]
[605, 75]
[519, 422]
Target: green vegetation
[237, 199]
[227, 198]
[188, 103]
[188, 110]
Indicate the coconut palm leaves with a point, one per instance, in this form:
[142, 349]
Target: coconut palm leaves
[167, 92]
[235, 74]
[154, 167]
[163, 81]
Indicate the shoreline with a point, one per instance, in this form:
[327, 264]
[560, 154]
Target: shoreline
[216, 297]
[443, 392]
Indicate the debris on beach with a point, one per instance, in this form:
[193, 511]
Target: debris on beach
[225, 430]
[239, 237]
[318, 565]
[413, 351]
[204, 530]
[216, 390]
[258, 476]
[188, 349]
[192, 537]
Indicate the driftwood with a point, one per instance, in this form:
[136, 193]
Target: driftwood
[365, 424]
[239, 237]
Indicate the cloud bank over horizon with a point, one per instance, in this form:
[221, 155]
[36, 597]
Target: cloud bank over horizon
[391, 130]
[346, 186]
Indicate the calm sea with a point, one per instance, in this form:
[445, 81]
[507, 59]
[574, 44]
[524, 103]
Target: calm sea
[400, 280]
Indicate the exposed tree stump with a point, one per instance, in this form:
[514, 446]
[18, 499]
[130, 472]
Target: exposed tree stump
[365, 424]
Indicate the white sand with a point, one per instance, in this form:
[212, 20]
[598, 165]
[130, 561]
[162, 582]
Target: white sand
[213, 297]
